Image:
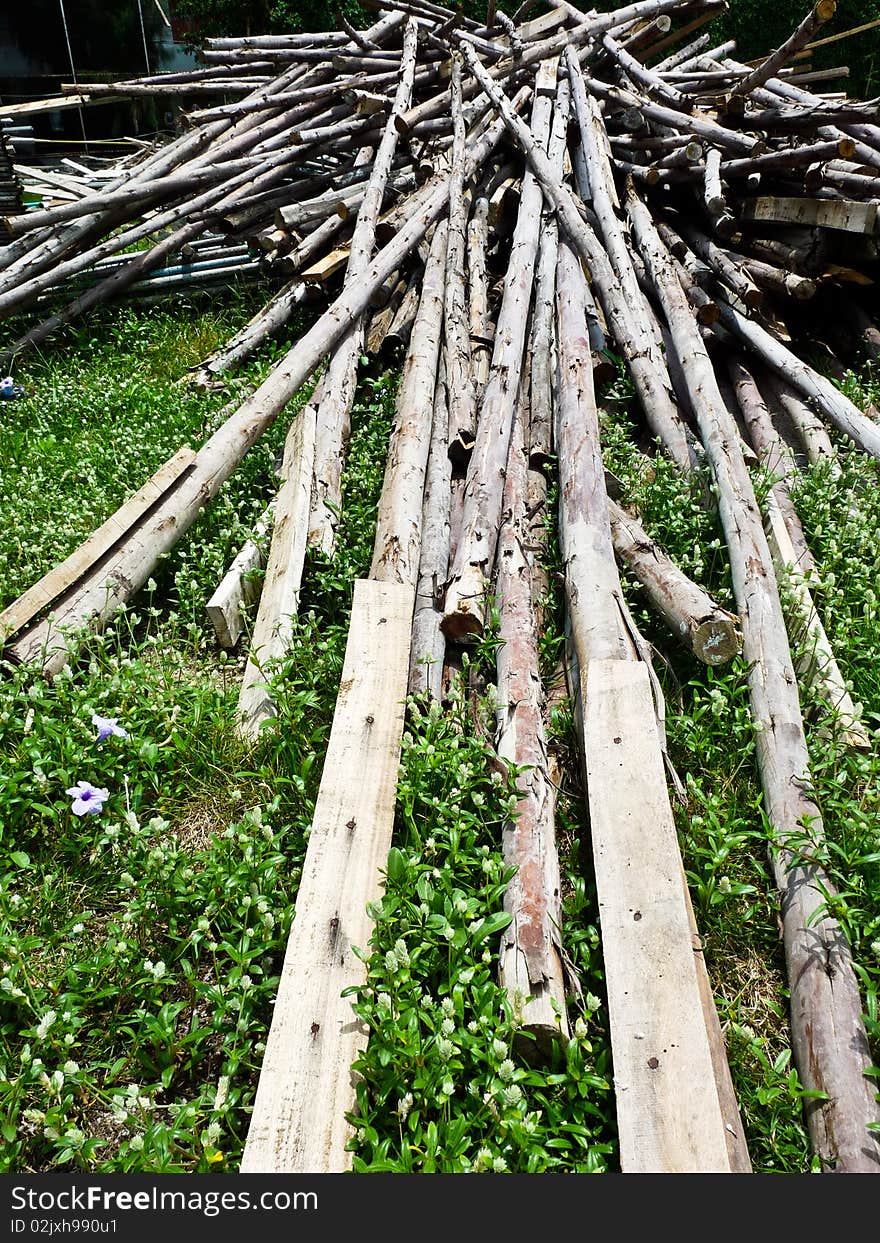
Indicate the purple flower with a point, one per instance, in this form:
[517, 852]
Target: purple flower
[107, 725]
[88, 800]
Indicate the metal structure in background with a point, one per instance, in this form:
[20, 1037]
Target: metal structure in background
[82, 120]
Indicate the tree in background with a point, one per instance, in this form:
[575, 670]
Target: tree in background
[758, 26]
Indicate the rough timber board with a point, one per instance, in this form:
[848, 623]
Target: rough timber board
[306, 1086]
[669, 1117]
[850, 216]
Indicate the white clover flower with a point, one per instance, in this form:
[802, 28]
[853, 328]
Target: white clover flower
[483, 1161]
[69, 1039]
[506, 1070]
[724, 884]
[127, 880]
[499, 1165]
[77, 929]
[6, 984]
[222, 1092]
[384, 999]
[391, 962]
[445, 1048]
[593, 1002]
[404, 1105]
[447, 1027]
[447, 1005]
[15, 900]
[71, 1068]
[136, 1143]
[580, 1028]
[45, 1024]
[875, 948]
[447, 1087]
[499, 1048]
[465, 977]
[212, 1134]
[57, 1080]
[512, 1095]
[246, 982]
[473, 1027]
[74, 1137]
[401, 952]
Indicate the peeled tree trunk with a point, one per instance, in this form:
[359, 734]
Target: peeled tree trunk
[828, 1035]
[399, 525]
[334, 414]
[531, 958]
[691, 614]
[459, 369]
[463, 613]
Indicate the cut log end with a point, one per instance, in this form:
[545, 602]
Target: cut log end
[465, 624]
[717, 640]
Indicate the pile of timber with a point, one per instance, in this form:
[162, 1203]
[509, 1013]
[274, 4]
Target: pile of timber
[508, 206]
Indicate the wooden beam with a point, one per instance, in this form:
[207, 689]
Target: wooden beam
[845, 214]
[659, 1038]
[298, 1123]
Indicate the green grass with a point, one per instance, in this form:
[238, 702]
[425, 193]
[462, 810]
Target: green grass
[142, 946]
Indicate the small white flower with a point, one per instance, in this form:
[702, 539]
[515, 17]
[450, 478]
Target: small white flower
[246, 982]
[499, 1165]
[447, 1005]
[506, 1070]
[212, 1134]
[404, 1105]
[45, 1023]
[445, 1048]
[77, 929]
[447, 1027]
[71, 1068]
[222, 1092]
[136, 1143]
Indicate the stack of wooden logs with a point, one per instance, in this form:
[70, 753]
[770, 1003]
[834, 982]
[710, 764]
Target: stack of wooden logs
[514, 207]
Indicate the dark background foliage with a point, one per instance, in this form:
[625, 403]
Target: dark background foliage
[757, 25]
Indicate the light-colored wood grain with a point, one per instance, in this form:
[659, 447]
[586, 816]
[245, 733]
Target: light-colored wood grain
[668, 1112]
[279, 600]
[239, 587]
[65, 575]
[829, 213]
[306, 1086]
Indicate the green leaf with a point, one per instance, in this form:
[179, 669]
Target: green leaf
[397, 866]
[491, 925]
[20, 859]
[8, 1132]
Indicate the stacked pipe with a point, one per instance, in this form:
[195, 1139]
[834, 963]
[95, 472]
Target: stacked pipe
[507, 206]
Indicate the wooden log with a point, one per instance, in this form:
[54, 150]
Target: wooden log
[777, 281]
[773, 454]
[463, 611]
[619, 291]
[710, 631]
[846, 417]
[539, 421]
[828, 1036]
[397, 545]
[305, 1090]
[238, 588]
[102, 593]
[821, 13]
[428, 643]
[815, 442]
[594, 596]
[334, 416]
[815, 659]
[456, 316]
[97, 547]
[531, 960]
[479, 320]
[279, 600]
